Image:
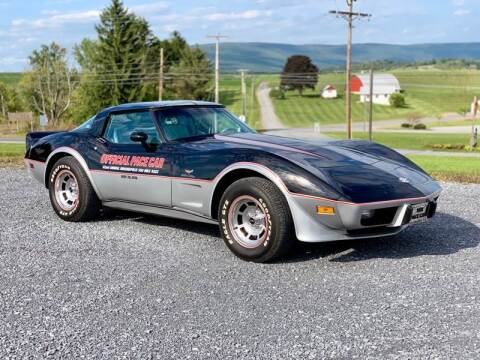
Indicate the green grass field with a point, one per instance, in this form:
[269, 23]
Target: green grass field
[411, 141]
[10, 78]
[427, 94]
[11, 154]
[231, 97]
[450, 168]
[447, 124]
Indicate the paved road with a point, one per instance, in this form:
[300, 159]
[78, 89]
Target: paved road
[386, 125]
[270, 120]
[440, 153]
[131, 286]
[12, 140]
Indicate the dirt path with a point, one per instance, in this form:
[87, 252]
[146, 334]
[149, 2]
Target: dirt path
[270, 120]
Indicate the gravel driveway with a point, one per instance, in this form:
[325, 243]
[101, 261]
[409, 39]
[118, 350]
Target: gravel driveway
[130, 286]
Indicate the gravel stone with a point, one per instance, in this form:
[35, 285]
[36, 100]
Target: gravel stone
[140, 287]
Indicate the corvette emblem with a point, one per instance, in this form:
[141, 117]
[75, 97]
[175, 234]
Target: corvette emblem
[403, 180]
[188, 171]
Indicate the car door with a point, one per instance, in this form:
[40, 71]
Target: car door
[131, 170]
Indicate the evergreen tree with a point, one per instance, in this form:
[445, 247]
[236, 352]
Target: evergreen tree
[122, 64]
[190, 76]
[114, 67]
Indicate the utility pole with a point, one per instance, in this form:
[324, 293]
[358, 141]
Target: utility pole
[370, 107]
[244, 92]
[474, 135]
[350, 16]
[217, 38]
[160, 81]
[252, 95]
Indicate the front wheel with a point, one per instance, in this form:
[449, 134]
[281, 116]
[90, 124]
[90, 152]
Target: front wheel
[255, 220]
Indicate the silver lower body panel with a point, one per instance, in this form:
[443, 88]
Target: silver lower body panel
[158, 210]
[346, 224]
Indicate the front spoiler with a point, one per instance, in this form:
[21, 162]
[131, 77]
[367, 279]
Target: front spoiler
[345, 224]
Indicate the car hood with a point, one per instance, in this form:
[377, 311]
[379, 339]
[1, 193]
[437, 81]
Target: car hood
[360, 171]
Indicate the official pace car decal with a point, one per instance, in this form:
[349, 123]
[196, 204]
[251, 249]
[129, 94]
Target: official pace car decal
[135, 164]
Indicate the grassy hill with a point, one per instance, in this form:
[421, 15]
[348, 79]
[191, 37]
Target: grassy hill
[231, 97]
[427, 94]
[270, 57]
[10, 78]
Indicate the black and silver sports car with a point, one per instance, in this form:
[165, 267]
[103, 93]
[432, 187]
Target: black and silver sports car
[196, 161]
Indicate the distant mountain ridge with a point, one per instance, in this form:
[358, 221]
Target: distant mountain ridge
[270, 57]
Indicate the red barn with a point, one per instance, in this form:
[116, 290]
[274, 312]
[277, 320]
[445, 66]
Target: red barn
[379, 80]
[355, 84]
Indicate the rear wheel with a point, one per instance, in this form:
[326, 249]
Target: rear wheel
[71, 193]
[255, 220]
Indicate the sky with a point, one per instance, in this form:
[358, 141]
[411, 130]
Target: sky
[26, 24]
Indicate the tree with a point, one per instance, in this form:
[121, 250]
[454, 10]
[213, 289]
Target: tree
[190, 75]
[299, 73]
[397, 100]
[10, 100]
[116, 66]
[49, 83]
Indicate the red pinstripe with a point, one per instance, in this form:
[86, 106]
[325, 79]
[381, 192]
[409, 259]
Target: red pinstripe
[271, 172]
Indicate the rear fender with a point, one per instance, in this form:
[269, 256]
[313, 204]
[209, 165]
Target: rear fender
[72, 152]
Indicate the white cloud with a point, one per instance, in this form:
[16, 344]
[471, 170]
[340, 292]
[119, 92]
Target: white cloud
[10, 60]
[462, 12]
[56, 19]
[246, 15]
[458, 2]
[149, 9]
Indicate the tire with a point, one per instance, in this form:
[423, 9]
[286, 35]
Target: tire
[71, 194]
[255, 220]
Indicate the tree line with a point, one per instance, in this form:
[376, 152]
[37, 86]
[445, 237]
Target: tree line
[122, 64]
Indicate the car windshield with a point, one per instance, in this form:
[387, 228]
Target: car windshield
[86, 125]
[181, 123]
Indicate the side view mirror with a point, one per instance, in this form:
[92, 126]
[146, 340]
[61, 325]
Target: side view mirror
[139, 136]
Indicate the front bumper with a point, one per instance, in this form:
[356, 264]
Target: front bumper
[347, 223]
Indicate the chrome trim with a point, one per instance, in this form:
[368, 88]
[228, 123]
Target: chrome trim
[254, 167]
[399, 216]
[80, 160]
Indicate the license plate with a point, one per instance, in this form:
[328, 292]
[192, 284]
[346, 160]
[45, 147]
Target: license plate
[419, 213]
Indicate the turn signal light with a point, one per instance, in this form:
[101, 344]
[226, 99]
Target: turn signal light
[325, 210]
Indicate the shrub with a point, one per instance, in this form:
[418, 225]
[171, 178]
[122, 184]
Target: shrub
[413, 119]
[406, 125]
[277, 94]
[420, 126]
[448, 146]
[397, 100]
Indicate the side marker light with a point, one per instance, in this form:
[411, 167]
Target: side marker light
[325, 210]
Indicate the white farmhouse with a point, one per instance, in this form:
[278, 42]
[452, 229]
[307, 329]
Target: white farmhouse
[329, 92]
[384, 85]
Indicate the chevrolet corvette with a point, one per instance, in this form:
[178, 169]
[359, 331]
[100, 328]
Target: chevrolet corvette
[196, 161]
